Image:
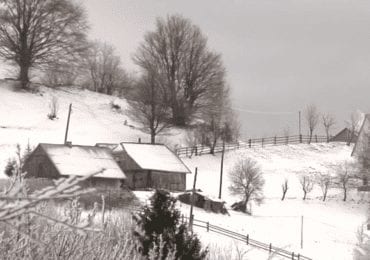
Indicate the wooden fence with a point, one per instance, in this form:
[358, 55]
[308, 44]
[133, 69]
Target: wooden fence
[250, 143]
[246, 239]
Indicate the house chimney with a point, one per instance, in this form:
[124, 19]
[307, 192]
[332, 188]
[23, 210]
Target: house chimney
[139, 140]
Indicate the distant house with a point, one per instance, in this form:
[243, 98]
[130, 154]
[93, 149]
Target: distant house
[344, 136]
[362, 145]
[53, 161]
[151, 166]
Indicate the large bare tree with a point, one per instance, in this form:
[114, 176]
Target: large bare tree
[148, 107]
[178, 52]
[34, 33]
[328, 122]
[312, 119]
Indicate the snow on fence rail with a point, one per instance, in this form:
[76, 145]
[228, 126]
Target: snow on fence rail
[250, 143]
[245, 238]
[239, 237]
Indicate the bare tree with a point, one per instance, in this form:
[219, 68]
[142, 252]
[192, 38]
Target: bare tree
[324, 181]
[148, 107]
[312, 119]
[345, 175]
[35, 33]
[353, 125]
[247, 181]
[284, 188]
[178, 52]
[307, 185]
[328, 122]
[104, 71]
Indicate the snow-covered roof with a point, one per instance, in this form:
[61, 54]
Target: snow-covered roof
[83, 160]
[156, 157]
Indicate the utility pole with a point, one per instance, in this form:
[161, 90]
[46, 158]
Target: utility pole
[67, 127]
[191, 217]
[300, 129]
[222, 168]
[302, 232]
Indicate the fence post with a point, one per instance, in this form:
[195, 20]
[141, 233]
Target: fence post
[207, 226]
[247, 239]
[287, 139]
[316, 138]
[270, 248]
[299, 256]
[250, 143]
[292, 255]
[300, 138]
[186, 152]
[275, 140]
[262, 141]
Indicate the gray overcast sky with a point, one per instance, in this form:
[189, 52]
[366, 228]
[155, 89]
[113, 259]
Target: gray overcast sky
[280, 54]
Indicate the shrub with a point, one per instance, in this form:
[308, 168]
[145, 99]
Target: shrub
[54, 108]
[160, 232]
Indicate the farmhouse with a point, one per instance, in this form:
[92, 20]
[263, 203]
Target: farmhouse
[53, 161]
[344, 135]
[151, 166]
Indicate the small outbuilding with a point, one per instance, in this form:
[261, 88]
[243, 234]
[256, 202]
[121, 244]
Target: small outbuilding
[151, 166]
[52, 161]
[201, 200]
[345, 135]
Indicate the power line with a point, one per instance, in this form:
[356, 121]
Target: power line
[263, 112]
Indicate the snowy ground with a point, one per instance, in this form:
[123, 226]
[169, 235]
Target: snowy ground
[329, 228]
[23, 118]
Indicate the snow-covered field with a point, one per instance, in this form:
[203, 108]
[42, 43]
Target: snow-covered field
[329, 228]
[23, 118]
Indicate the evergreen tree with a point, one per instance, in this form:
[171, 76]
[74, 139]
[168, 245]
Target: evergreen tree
[160, 225]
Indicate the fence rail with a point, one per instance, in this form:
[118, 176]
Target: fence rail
[245, 238]
[250, 143]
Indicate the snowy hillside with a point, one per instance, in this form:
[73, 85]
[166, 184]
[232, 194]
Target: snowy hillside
[23, 117]
[330, 227]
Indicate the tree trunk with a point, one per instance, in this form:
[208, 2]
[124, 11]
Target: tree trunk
[23, 75]
[152, 136]
[324, 197]
[345, 194]
[284, 192]
[304, 195]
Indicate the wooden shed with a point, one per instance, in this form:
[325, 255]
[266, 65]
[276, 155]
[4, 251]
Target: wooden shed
[201, 200]
[52, 161]
[344, 135]
[151, 166]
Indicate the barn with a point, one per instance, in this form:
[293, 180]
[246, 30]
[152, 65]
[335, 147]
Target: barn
[344, 136]
[53, 161]
[151, 166]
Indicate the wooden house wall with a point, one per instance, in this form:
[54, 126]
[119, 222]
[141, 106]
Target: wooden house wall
[39, 165]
